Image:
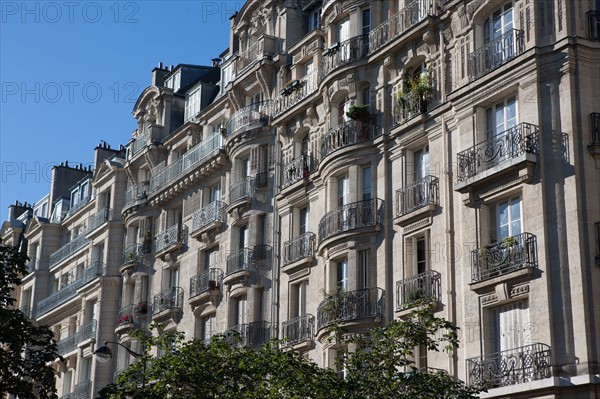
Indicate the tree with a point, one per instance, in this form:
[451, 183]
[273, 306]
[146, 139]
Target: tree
[25, 349]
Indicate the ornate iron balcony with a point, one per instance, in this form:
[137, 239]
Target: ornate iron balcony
[495, 53]
[416, 195]
[240, 260]
[343, 53]
[241, 189]
[299, 329]
[298, 91]
[252, 334]
[86, 331]
[298, 248]
[410, 105]
[169, 299]
[356, 215]
[141, 142]
[350, 305]
[250, 117]
[509, 144]
[500, 258]
[264, 47]
[98, 219]
[510, 367]
[135, 313]
[174, 235]
[413, 13]
[594, 24]
[298, 169]
[137, 192]
[68, 249]
[344, 135]
[210, 280]
[424, 286]
[213, 212]
[132, 252]
[74, 208]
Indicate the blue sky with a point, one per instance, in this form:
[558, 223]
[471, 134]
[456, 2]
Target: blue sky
[71, 71]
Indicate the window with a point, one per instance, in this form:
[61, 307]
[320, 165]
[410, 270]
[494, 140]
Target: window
[509, 324]
[314, 19]
[506, 219]
[172, 277]
[366, 97]
[366, 22]
[303, 222]
[421, 255]
[85, 368]
[67, 382]
[500, 22]
[421, 163]
[343, 191]
[363, 269]
[214, 193]
[240, 310]
[366, 183]
[342, 274]
[501, 117]
[343, 107]
[192, 103]
[211, 258]
[209, 327]
[343, 30]
[243, 237]
[299, 300]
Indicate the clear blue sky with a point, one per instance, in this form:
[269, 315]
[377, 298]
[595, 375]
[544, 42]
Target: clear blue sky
[71, 71]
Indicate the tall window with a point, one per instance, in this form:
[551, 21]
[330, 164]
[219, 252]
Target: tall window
[506, 220]
[342, 274]
[509, 326]
[498, 23]
[240, 310]
[314, 19]
[366, 97]
[304, 216]
[243, 237]
[421, 158]
[214, 193]
[299, 301]
[366, 183]
[192, 103]
[343, 191]
[211, 258]
[363, 269]
[501, 117]
[343, 107]
[366, 22]
[209, 327]
[421, 255]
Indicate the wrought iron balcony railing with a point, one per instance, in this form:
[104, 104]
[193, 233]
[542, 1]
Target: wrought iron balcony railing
[250, 117]
[344, 135]
[98, 219]
[518, 140]
[141, 142]
[410, 15]
[169, 299]
[500, 258]
[299, 329]
[349, 217]
[173, 235]
[410, 105]
[343, 53]
[210, 280]
[132, 252]
[350, 305]
[82, 391]
[296, 92]
[135, 313]
[213, 212]
[298, 248]
[241, 189]
[262, 48]
[495, 53]
[188, 161]
[510, 367]
[422, 287]
[595, 128]
[594, 24]
[137, 192]
[239, 261]
[70, 291]
[418, 194]
[68, 249]
[251, 334]
[298, 169]
[86, 331]
[74, 208]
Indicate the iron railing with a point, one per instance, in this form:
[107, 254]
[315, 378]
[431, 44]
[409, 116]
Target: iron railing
[510, 367]
[495, 53]
[298, 248]
[261, 180]
[261, 252]
[213, 212]
[70, 291]
[262, 48]
[68, 344]
[500, 258]
[141, 142]
[344, 135]
[410, 15]
[74, 208]
[68, 249]
[137, 192]
[132, 252]
[298, 169]
[172, 235]
[425, 286]
[350, 305]
[349, 217]
[251, 334]
[509, 144]
[241, 189]
[418, 194]
[343, 53]
[171, 298]
[98, 219]
[239, 260]
[249, 117]
[134, 313]
[296, 92]
[210, 280]
[594, 24]
[595, 128]
[299, 329]
[187, 162]
[410, 105]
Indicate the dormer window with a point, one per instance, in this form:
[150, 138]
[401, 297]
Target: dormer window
[192, 103]
[174, 81]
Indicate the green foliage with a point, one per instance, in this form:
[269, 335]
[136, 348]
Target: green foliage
[414, 86]
[25, 349]
[359, 113]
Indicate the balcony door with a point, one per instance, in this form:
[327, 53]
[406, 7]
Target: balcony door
[343, 195]
[240, 310]
[304, 216]
[497, 35]
[342, 36]
[509, 327]
[507, 221]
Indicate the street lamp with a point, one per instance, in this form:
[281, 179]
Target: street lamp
[104, 354]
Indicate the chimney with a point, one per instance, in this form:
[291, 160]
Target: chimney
[158, 75]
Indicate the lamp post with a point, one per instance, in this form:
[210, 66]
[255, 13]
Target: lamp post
[104, 354]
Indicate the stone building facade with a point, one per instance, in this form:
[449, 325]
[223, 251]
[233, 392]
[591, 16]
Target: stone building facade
[381, 151]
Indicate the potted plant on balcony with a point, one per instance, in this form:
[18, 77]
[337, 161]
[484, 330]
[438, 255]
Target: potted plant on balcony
[212, 285]
[418, 87]
[141, 308]
[360, 114]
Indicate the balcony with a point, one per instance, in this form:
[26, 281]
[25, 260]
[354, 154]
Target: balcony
[250, 117]
[417, 200]
[239, 264]
[75, 207]
[140, 142]
[131, 316]
[97, 220]
[495, 53]
[70, 291]
[344, 53]
[68, 249]
[205, 286]
[241, 192]
[511, 367]
[86, 332]
[594, 146]
[167, 303]
[195, 156]
[212, 216]
[501, 258]
[250, 335]
[298, 170]
[131, 256]
[594, 24]
[136, 194]
[409, 16]
[295, 92]
[409, 106]
[170, 239]
[354, 216]
[345, 135]
[299, 330]
[81, 391]
[351, 307]
[299, 252]
[422, 287]
[263, 48]
[514, 148]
